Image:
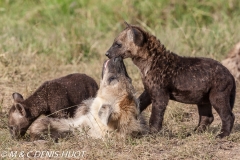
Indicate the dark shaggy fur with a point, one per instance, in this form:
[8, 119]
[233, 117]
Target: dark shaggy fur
[52, 96]
[165, 76]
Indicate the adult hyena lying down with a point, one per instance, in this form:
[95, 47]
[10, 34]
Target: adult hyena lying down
[50, 98]
[165, 76]
[114, 109]
[232, 62]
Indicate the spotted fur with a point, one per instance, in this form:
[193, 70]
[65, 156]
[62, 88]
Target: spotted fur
[166, 75]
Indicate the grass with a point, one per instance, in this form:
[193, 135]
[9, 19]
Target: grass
[42, 40]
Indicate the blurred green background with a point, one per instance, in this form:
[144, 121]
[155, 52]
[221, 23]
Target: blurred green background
[82, 30]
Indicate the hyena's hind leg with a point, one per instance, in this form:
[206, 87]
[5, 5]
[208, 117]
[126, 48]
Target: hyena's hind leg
[221, 103]
[205, 116]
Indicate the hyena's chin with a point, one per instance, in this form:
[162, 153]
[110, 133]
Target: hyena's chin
[112, 56]
[123, 56]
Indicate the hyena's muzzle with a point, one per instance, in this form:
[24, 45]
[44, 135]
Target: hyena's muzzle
[116, 68]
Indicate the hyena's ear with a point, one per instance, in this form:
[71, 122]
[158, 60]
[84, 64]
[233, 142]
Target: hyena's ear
[135, 35]
[127, 25]
[20, 109]
[17, 97]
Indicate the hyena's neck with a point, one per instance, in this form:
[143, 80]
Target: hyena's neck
[37, 106]
[98, 129]
[96, 105]
[157, 58]
[105, 98]
[143, 64]
[147, 54]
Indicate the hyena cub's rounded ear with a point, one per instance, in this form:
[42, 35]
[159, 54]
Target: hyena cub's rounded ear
[136, 36]
[17, 97]
[127, 25]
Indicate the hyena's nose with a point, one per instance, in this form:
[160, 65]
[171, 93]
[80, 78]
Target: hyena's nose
[107, 53]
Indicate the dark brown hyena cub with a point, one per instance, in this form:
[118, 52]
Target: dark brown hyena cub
[165, 76]
[56, 97]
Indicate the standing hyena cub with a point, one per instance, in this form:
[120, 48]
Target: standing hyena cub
[114, 109]
[52, 97]
[165, 76]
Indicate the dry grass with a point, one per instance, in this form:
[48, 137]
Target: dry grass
[176, 140]
[41, 45]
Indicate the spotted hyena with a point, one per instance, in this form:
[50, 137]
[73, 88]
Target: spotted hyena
[166, 75]
[56, 97]
[232, 62]
[115, 108]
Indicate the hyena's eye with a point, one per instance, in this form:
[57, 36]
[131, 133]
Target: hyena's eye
[112, 78]
[117, 44]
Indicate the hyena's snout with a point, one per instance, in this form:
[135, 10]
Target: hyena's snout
[111, 53]
[114, 63]
[117, 64]
[107, 54]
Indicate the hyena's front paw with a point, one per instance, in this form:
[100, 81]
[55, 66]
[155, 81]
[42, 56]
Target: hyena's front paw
[223, 134]
[155, 129]
[200, 129]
